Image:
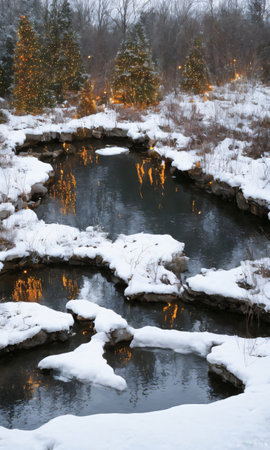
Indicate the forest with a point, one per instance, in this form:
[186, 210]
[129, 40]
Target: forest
[235, 41]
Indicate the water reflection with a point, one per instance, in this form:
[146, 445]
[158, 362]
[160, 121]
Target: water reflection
[133, 193]
[27, 288]
[156, 379]
[55, 285]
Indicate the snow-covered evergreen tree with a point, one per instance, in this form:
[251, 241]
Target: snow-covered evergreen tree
[62, 54]
[136, 81]
[194, 77]
[87, 104]
[10, 13]
[29, 87]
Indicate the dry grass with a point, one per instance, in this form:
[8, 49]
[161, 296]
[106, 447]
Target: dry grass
[127, 113]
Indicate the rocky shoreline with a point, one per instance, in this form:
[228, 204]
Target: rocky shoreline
[143, 143]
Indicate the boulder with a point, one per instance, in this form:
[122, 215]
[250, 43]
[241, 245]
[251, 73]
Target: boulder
[38, 190]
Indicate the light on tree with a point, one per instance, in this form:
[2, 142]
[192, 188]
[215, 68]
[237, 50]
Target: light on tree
[136, 81]
[194, 78]
[29, 88]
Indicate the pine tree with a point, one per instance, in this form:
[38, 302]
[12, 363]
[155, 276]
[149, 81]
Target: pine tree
[29, 88]
[62, 54]
[87, 104]
[194, 73]
[136, 81]
[6, 68]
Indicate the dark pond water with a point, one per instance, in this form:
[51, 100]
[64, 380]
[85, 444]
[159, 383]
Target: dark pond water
[126, 194]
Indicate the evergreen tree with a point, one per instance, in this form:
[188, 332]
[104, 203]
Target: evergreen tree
[87, 104]
[29, 88]
[136, 81]
[7, 68]
[194, 73]
[62, 54]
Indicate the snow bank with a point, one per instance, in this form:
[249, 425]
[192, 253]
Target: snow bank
[249, 282]
[237, 422]
[18, 178]
[22, 321]
[139, 260]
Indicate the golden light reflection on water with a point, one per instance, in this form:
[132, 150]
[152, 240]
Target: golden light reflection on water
[28, 289]
[71, 287]
[31, 384]
[170, 315]
[123, 355]
[88, 156]
[65, 190]
[156, 176]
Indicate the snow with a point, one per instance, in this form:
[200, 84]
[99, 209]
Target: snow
[18, 178]
[86, 364]
[22, 321]
[105, 320]
[139, 260]
[111, 151]
[230, 283]
[235, 108]
[237, 422]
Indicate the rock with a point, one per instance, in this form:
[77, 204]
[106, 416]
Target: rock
[38, 190]
[226, 376]
[154, 298]
[241, 201]
[65, 137]
[82, 133]
[222, 189]
[6, 209]
[116, 132]
[97, 134]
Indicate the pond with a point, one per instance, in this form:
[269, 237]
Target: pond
[127, 193]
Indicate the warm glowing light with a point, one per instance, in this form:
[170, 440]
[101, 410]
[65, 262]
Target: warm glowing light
[27, 290]
[170, 313]
[179, 67]
[123, 355]
[71, 287]
[150, 175]
[162, 174]
[236, 77]
[65, 190]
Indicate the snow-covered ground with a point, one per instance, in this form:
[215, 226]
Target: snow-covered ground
[235, 114]
[238, 422]
[138, 260]
[249, 282]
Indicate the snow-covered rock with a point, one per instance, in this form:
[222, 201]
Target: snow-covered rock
[25, 325]
[242, 289]
[105, 320]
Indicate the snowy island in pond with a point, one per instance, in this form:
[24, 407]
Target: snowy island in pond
[112, 151]
[139, 260]
[25, 325]
[244, 289]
